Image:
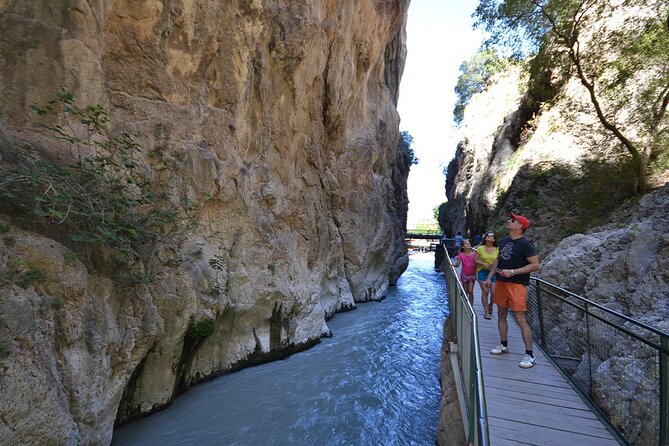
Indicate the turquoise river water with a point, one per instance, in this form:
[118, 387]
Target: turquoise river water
[375, 382]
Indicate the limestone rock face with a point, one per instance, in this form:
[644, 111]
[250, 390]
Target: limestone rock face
[283, 118]
[623, 265]
[501, 156]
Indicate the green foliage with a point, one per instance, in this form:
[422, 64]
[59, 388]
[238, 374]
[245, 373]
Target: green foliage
[543, 86]
[134, 278]
[4, 228]
[590, 193]
[475, 74]
[427, 228]
[404, 144]
[26, 278]
[70, 258]
[512, 24]
[4, 349]
[603, 186]
[435, 211]
[586, 195]
[18, 274]
[530, 200]
[625, 68]
[200, 329]
[107, 194]
[660, 161]
[443, 218]
[57, 303]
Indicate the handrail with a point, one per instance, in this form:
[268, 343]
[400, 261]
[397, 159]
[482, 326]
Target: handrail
[621, 365]
[465, 325]
[603, 308]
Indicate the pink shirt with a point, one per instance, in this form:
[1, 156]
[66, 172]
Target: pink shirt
[468, 263]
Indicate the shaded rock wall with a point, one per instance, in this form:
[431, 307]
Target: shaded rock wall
[450, 426]
[622, 265]
[282, 115]
[517, 155]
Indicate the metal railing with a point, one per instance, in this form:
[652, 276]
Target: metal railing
[619, 364]
[449, 246]
[465, 327]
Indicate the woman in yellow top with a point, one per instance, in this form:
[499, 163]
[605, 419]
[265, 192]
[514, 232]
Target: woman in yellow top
[486, 255]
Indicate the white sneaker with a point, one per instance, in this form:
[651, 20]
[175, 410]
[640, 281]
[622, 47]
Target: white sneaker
[499, 350]
[527, 362]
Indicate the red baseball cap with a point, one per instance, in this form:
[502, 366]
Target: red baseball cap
[524, 222]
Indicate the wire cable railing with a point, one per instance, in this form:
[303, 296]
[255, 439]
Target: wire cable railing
[465, 327]
[620, 365]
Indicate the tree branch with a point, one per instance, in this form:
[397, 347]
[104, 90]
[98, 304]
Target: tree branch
[664, 103]
[590, 86]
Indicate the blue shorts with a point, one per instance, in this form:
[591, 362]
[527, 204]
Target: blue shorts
[483, 276]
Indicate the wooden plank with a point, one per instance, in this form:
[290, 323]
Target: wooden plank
[500, 441]
[535, 406]
[531, 378]
[555, 398]
[539, 393]
[524, 433]
[528, 407]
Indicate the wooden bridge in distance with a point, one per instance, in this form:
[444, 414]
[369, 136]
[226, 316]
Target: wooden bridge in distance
[423, 234]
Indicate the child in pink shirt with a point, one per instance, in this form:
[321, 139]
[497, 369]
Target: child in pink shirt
[467, 258]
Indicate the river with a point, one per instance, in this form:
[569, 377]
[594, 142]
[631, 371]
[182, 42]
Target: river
[375, 382]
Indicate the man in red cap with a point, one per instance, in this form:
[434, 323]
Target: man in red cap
[517, 258]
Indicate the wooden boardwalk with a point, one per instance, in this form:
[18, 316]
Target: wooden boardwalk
[535, 406]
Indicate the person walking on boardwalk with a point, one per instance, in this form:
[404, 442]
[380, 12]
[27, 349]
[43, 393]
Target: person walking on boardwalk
[467, 258]
[458, 240]
[516, 260]
[486, 253]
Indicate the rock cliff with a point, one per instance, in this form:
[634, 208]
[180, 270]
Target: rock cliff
[533, 143]
[281, 116]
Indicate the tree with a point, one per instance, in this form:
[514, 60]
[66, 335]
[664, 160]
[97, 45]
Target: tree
[475, 73]
[619, 51]
[404, 144]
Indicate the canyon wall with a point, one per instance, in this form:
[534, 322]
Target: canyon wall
[533, 142]
[282, 118]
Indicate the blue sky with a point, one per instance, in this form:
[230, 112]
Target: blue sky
[439, 38]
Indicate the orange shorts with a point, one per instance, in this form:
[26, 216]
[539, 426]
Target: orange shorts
[510, 295]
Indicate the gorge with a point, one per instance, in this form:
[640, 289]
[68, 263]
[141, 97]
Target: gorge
[281, 118]
[189, 188]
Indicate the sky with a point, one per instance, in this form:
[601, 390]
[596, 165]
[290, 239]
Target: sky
[439, 38]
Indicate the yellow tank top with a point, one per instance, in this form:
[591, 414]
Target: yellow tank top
[485, 256]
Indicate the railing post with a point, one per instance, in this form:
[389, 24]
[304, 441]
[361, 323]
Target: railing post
[587, 347]
[664, 391]
[537, 284]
